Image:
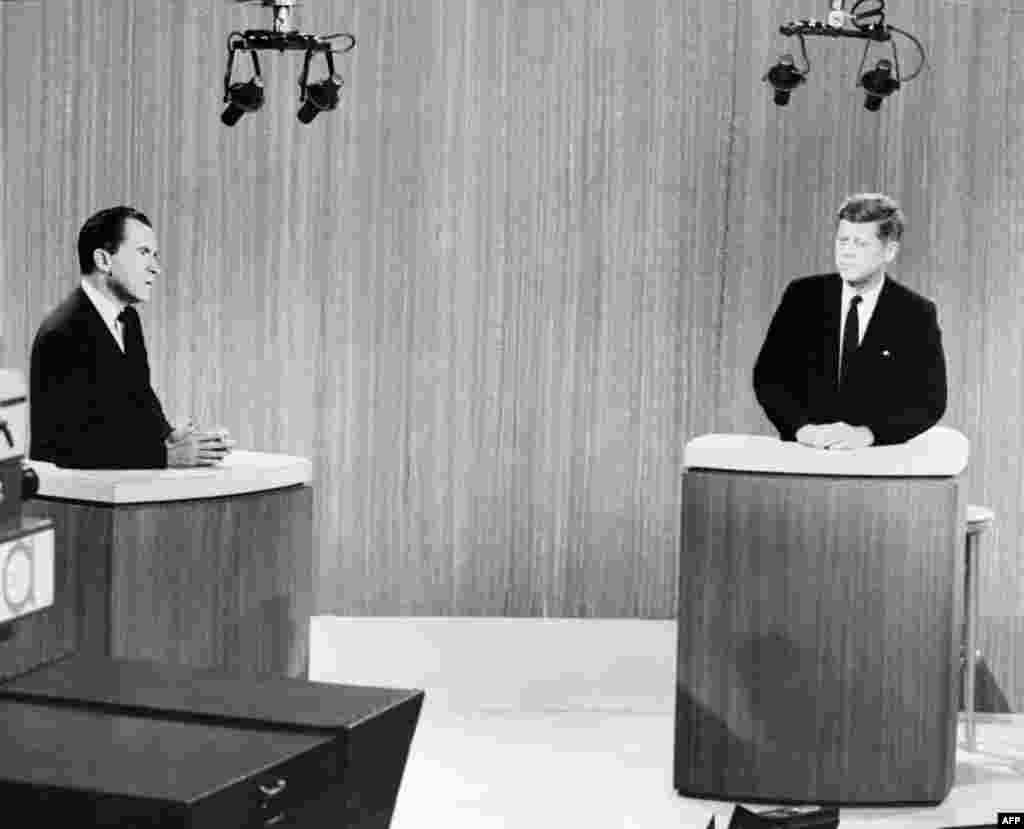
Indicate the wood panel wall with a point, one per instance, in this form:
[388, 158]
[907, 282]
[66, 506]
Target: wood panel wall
[532, 254]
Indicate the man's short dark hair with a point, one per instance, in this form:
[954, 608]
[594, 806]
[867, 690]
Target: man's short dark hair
[105, 229]
[875, 207]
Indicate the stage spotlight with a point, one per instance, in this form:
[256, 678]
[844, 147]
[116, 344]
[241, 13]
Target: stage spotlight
[242, 98]
[784, 78]
[878, 83]
[317, 97]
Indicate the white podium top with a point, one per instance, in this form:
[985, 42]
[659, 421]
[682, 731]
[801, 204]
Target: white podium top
[239, 472]
[939, 452]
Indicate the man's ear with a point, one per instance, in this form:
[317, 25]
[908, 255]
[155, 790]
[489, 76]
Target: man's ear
[101, 259]
[892, 248]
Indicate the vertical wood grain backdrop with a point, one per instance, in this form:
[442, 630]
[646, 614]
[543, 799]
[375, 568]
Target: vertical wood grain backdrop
[533, 253]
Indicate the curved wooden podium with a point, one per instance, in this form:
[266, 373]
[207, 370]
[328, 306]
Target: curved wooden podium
[205, 567]
[819, 611]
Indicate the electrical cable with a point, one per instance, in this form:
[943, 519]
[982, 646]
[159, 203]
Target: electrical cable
[920, 50]
[347, 49]
[803, 52]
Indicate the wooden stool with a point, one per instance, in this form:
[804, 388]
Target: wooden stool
[979, 519]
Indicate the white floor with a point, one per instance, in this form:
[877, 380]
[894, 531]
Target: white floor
[569, 722]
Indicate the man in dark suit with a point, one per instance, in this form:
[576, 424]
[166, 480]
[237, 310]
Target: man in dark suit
[854, 358]
[90, 400]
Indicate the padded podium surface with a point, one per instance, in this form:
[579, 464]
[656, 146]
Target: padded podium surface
[938, 452]
[241, 471]
[818, 624]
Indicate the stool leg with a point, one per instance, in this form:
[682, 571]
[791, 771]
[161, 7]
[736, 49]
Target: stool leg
[970, 615]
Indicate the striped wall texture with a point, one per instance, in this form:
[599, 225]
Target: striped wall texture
[532, 254]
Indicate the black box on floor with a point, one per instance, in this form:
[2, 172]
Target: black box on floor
[128, 742]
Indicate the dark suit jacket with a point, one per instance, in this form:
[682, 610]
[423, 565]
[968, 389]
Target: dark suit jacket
[91, 406]
[897, 381]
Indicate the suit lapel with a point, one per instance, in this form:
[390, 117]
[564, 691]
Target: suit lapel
[831, 315]
[879, 324]
[97, 327]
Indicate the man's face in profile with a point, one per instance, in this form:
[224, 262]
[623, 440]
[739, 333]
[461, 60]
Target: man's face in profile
[135, 264]
[860, 254]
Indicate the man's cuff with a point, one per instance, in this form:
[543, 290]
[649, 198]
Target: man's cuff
[871, 435]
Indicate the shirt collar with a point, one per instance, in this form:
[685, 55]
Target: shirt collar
[108, 308]
[868, 299]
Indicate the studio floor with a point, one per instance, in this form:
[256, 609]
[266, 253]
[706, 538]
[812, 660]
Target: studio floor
[569, 722]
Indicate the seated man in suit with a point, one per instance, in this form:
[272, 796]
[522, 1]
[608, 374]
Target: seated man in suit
[854, 358]
[90, 399]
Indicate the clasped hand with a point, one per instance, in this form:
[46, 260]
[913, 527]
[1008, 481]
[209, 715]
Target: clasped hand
[189, 446]
[835, 436]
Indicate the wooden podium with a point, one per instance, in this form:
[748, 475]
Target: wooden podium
[819, 613]
[206, 567]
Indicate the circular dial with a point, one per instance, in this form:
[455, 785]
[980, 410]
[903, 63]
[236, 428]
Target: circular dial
[17, 576]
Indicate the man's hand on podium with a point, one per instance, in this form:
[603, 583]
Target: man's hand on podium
[189, 446]
[835, 436]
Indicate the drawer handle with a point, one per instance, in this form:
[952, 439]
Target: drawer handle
[274, 789]
[273, 821]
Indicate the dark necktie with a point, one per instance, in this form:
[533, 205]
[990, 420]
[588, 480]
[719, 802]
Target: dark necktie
[130, 331]
[851, 337]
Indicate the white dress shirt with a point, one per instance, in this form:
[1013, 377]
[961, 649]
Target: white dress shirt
[108, 309]
[868, 301]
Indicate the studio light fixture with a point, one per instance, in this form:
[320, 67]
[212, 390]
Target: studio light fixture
[314, 98]
[878, 83]
[320, 96]
[241, 97]
[864, 21]
[784, 78]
